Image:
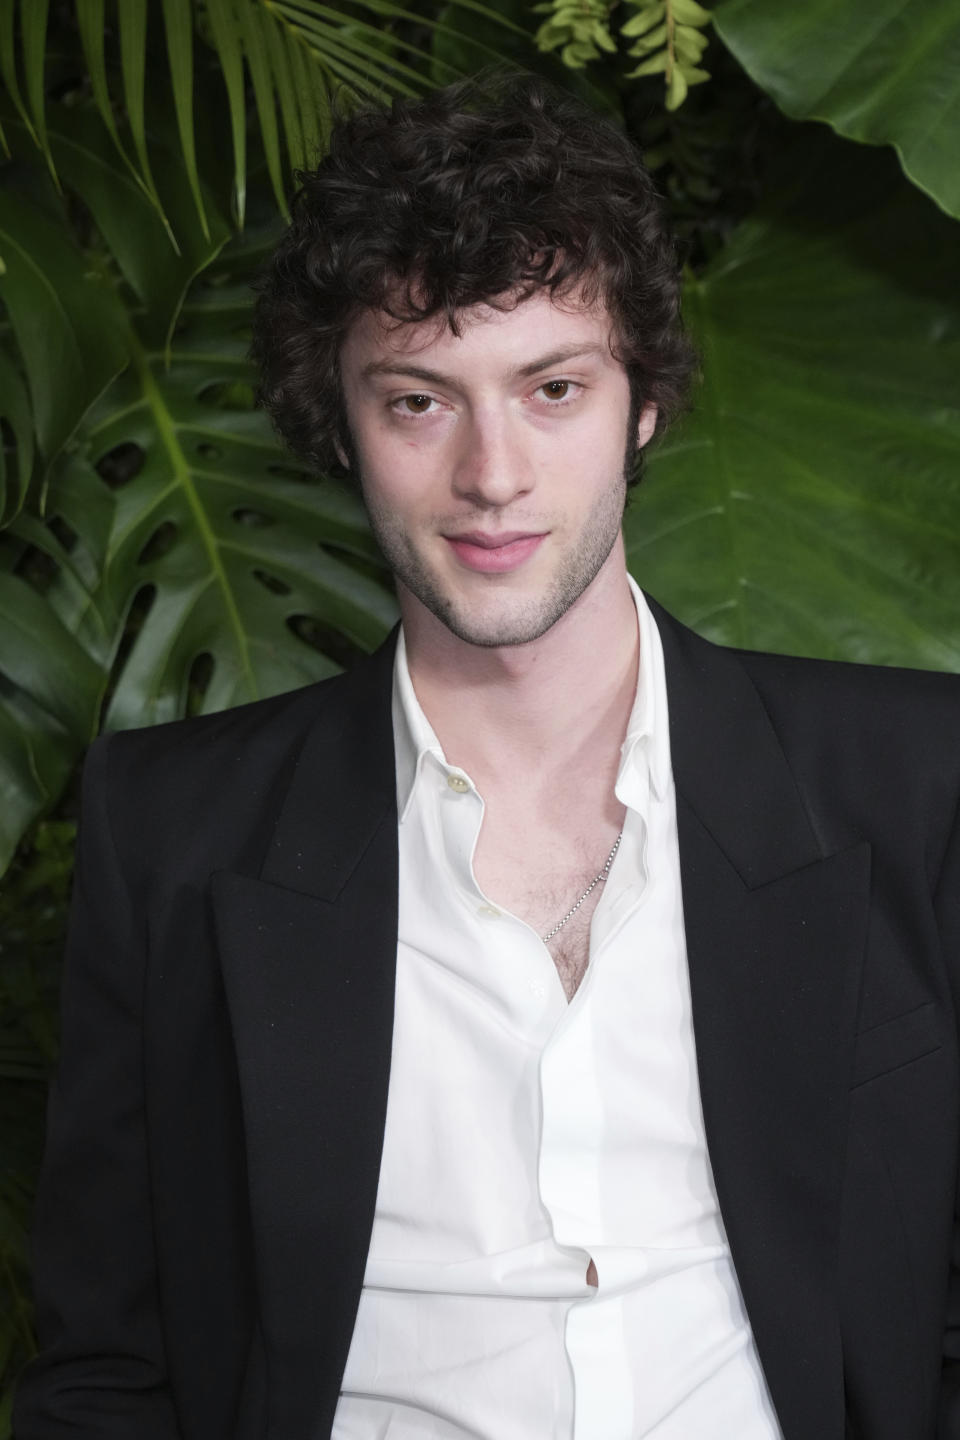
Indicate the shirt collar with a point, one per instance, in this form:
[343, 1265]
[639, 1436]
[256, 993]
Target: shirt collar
[648, 733]
[413, 736]
[646, 746]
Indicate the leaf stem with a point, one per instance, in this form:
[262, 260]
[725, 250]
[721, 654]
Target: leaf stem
[182, 476]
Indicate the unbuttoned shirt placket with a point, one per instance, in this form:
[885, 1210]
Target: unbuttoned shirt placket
[526, 1136]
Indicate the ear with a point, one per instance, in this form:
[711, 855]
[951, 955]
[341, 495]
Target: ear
[341, 454]
[647, 425]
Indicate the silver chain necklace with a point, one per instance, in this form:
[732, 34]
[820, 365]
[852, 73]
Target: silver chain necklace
[593, 884]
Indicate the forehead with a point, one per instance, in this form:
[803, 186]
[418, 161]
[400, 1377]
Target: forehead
[489, 337]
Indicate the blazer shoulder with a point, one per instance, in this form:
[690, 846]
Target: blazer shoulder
[877, 742]
[840, 696]
[885, 696]
[181, 752]
[204, 791]
[872, 749]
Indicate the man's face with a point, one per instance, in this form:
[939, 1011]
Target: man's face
[492, 463]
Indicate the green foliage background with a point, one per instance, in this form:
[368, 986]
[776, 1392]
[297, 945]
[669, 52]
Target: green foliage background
[161, 555]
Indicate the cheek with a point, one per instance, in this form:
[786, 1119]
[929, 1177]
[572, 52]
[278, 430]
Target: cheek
[593, 448]
[396, 485]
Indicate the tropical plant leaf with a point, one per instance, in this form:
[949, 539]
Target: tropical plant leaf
[313, 101]
[462, 41]
[66, 319]
[244, 560]
[72, 332]
[36, 759]
[128, 221]
[16, 457]
[50, 692]
[226, 41]
[133, 63]
[194, 565]
[291, 50]
[33, 35]
[256, 49]
[280, 45]
[8, 63]
[91, 17]
[881, 71]
[465, 39]
[811, 503]
[178, 21]
[40, 657]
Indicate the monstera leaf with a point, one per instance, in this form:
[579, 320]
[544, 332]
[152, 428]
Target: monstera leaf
[811, 503]
[194, 565]
[883, 71]
[246, 576]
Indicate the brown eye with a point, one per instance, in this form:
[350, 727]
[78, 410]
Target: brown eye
[417, 403]
[557, 389]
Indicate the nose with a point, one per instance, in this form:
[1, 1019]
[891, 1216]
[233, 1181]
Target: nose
[491, 466]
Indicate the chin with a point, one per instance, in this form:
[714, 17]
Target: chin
[491, 631]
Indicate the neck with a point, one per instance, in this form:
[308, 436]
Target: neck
[565, 695]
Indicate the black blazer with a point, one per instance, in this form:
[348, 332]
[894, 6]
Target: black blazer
[216, 1127]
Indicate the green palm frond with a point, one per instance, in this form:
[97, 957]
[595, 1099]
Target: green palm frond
[282, 62]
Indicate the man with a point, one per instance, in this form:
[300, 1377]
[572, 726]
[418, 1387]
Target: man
[548, 1028]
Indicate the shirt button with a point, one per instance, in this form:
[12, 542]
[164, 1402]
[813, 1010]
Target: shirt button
[489, 912]
[457, 782]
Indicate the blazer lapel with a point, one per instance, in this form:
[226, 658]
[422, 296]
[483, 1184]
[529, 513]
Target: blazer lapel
[775, 934]
[308, 955]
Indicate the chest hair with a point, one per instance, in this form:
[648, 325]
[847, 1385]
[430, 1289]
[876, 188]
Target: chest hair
[542, 906]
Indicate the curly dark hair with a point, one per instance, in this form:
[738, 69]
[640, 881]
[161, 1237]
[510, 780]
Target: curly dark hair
[479, 193]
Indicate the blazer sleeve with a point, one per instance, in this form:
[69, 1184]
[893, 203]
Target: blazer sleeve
[101, 1369]
[948, 913]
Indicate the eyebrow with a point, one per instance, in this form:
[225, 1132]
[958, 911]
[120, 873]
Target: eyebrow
[520, 372]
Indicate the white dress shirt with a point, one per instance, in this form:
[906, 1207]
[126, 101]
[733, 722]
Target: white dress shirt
[526, 1135]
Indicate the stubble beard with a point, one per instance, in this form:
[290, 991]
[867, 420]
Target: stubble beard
[525, 619]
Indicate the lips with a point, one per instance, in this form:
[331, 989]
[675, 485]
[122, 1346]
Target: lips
[493, 554]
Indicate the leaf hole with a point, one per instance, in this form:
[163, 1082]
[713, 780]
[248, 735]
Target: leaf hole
[63, 532]
[228, 395]
[272, 583]
[36, 567]
[8, 443]
[161, 542]
[206, 451]
[140, 607]
[198, 681]
[324, 639]
[255, 518]
[119, 466]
